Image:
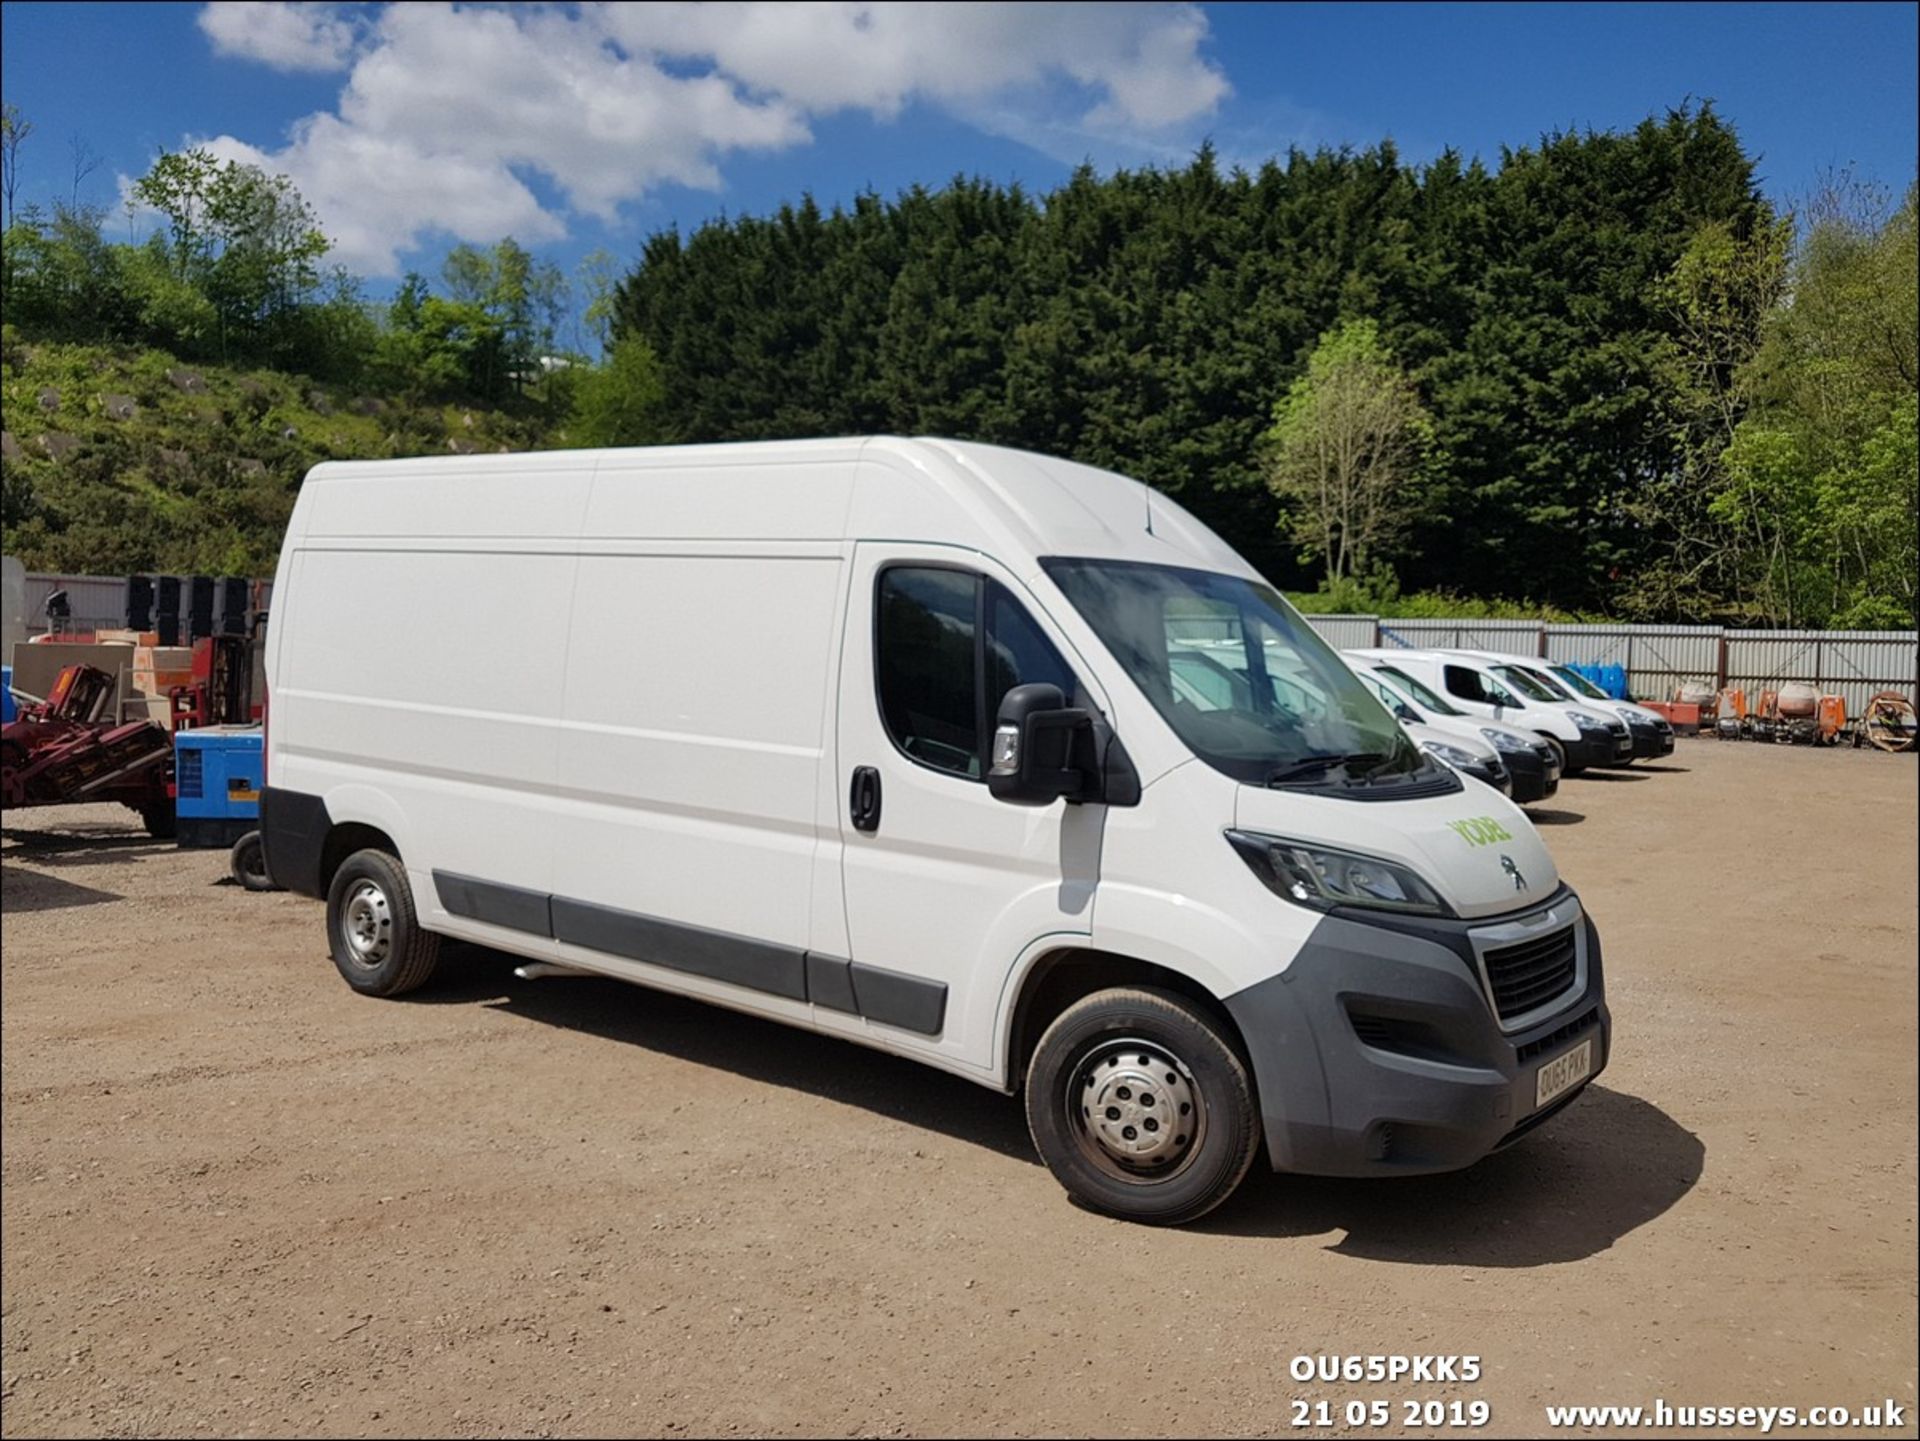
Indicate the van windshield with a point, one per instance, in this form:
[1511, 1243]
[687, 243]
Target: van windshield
[1532, 686]
[1578, 683]
[1419, 692]
[1238, 675]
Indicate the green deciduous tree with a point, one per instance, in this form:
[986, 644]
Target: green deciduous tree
[1822, 465]
[1351, 445]
[618, 402]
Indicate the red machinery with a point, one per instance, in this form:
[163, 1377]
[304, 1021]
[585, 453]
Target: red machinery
[60, 752]
[221, 691]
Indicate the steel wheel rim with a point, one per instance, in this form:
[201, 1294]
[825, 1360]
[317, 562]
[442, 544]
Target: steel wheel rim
[366, 922]
[1135, 1110]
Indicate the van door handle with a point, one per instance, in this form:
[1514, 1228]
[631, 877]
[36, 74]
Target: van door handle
[863, 802]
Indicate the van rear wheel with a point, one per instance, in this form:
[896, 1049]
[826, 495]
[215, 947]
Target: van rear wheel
[1141, 1107]
[374, 931]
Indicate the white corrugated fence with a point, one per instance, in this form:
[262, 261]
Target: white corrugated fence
[1853, 664]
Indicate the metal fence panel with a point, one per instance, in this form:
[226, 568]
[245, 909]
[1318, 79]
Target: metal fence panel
[1850, 664]
[99, 602]
[1655, 657]
[1519, 636]
[96, 602]
[1347, 632]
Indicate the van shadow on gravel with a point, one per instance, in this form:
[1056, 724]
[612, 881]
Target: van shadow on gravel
[766, 1051]
[1555, 817]
[88, 847]
[23, 889]
[1610, 1163]
[1607, 1165]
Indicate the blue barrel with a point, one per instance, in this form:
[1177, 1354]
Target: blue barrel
[8, 711]
[1613, 680]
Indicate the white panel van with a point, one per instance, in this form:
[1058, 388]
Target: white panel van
[890, 739]
[1532, 766]
[1502, 692]
[1652, 732]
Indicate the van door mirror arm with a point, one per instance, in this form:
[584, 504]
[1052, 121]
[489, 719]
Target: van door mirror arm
[1045, 750]
[1030, 759]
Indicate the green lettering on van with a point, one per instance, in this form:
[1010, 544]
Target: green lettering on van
[1480, 830]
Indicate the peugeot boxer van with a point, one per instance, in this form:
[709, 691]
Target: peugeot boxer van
[886, 738]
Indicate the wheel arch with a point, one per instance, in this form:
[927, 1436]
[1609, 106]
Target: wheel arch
[346, 837]
[1065, 971]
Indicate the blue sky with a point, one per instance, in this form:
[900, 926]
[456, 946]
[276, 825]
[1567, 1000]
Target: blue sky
[580, 126]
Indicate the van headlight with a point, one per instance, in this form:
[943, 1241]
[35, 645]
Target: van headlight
[1592, 725]
[1321, 877]
[1454, 756]
[1506, 741]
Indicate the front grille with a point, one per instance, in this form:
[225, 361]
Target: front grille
[186, 774]
[1526, 976]
[1554, 1040]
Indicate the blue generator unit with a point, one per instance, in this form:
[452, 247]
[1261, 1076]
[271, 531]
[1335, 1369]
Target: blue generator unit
[216, 777]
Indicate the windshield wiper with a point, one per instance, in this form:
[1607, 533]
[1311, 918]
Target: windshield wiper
[1313, 765]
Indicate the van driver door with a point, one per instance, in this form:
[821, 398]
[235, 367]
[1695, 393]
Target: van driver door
[944, 886]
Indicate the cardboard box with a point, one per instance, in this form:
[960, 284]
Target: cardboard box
[156, 658]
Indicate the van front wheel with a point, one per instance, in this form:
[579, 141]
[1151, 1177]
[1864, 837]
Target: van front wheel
[373, 929]
[1141, 1107]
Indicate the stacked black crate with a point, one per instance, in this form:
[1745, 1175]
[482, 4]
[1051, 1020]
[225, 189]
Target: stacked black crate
[200, 608]
[167, 620]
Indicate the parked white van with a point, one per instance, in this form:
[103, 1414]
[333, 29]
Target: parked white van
[1652, 732]
[1497, 691]
[1532, 766]
[880, 737]
[1212, 674]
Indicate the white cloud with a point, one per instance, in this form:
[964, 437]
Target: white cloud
[284, 35]
[447, 113]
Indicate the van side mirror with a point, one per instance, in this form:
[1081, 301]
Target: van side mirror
[1405, 712]
[1032, 759]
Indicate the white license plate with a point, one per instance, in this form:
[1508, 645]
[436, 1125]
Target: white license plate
[1563, 1073]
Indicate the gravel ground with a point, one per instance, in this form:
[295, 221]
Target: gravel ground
[241, 1200]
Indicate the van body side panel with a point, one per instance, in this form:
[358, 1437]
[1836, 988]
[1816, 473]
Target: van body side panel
[693, 737]
[447, 741]
[1173, 891]
[696, 715]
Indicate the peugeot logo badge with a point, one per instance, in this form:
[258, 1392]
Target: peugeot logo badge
[1507, 865]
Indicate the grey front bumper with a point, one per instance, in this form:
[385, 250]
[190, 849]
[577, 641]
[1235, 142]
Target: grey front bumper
[1435, 1085]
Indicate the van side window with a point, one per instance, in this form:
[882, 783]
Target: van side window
[1472, 685]
[925, 640]
[1018, 652]
[940, 684]
[1467, 684]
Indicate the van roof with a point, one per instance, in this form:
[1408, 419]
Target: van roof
[927, 489]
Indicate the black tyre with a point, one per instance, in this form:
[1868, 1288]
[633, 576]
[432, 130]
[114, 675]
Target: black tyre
[373, 929]
[1560, 751]
[161, 822]
[1141, 1107]
[249, 862]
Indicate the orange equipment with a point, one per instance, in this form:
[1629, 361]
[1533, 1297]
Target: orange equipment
[1833, 719]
